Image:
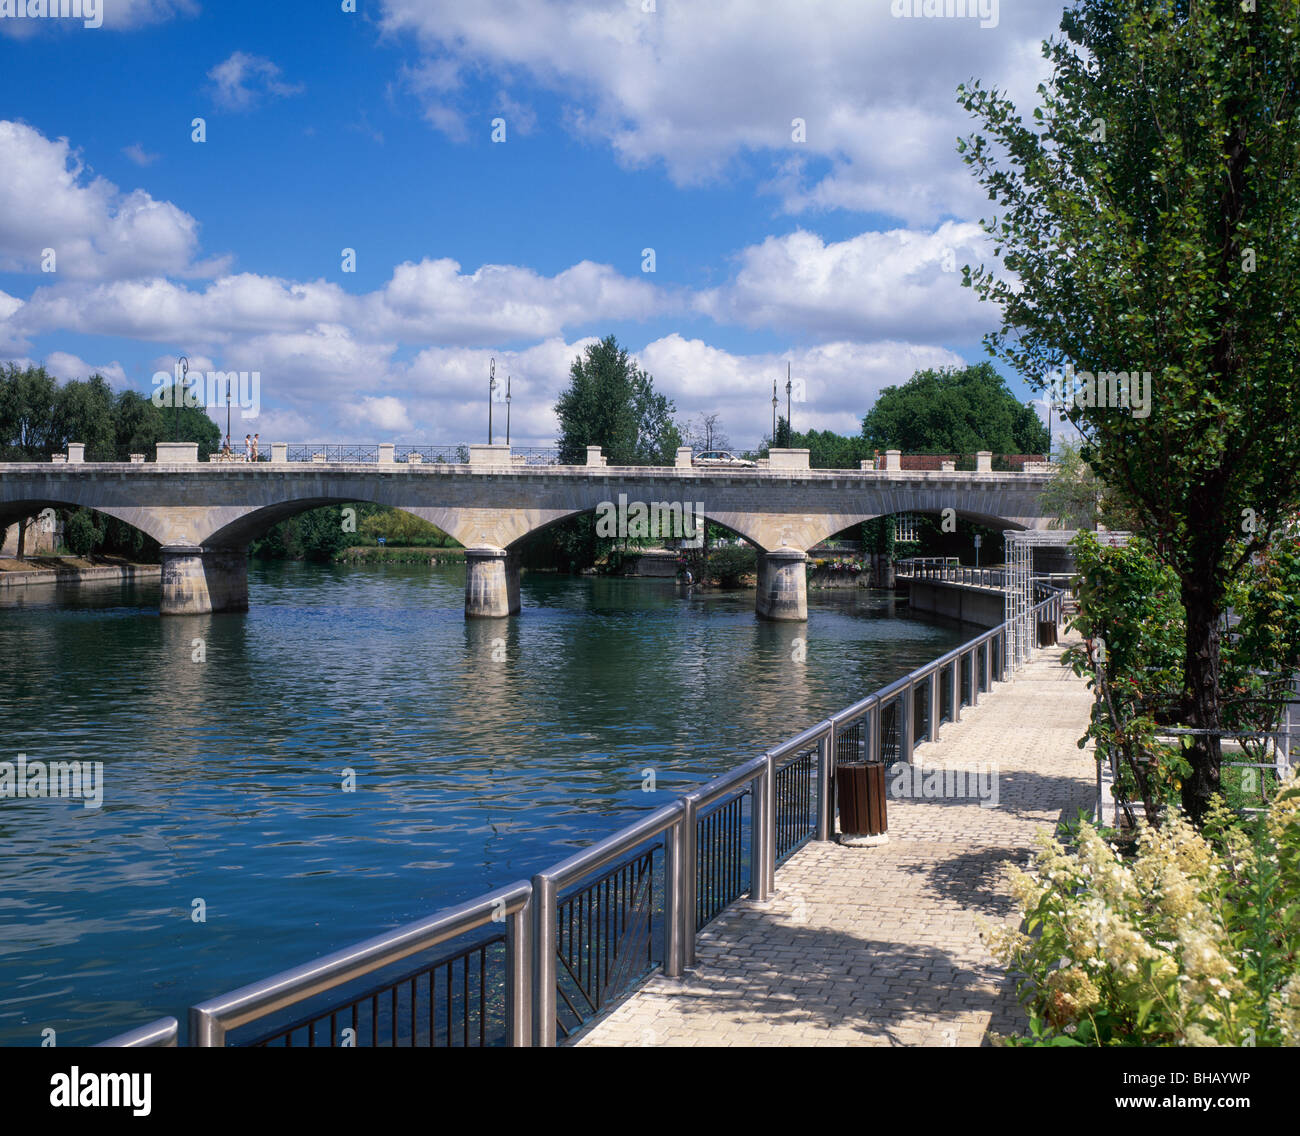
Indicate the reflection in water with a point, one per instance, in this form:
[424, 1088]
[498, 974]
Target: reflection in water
[481, 751]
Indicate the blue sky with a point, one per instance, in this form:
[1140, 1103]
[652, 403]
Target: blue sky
[625, 129]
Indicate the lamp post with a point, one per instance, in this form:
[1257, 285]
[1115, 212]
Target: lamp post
[182, 369]
[492, 386]
[228, 393]
[978, 541]
[507, 410]
[774, 406]
[789, 425]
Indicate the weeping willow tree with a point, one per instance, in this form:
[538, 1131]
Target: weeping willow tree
[1148, 227]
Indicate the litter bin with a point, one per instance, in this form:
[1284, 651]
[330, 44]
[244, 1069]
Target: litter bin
[1047, 633]
[860, 786]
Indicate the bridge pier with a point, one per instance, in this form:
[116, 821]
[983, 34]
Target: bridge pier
[782, 585]
[197, 580]
[491, 583]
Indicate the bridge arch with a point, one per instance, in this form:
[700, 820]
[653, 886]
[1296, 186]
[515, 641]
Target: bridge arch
[15, 511]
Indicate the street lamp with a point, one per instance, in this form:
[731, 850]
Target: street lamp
[774, 406]
[492, 386]
[978, 541]
[229, 374]
[507, 410]
[789, 425]
[182, 369]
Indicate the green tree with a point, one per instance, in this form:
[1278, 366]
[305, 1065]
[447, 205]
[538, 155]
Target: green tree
[27, 396]
[784, 437]
[1149, 226]
[81, 534]
[612, 403]
[828, 450]
[1079, 499]
[953, 410]
[399, 527]
[83, 412]
[140, 425]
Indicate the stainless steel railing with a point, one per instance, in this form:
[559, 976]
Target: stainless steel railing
[576, 940]
[210, 1021]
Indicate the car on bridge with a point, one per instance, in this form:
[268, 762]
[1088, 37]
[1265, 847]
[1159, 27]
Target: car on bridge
[722, 458]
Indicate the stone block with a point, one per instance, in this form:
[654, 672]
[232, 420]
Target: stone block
[787, 459]
[177, 453]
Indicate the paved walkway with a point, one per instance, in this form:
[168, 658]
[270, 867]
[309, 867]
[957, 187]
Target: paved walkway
[881, 946]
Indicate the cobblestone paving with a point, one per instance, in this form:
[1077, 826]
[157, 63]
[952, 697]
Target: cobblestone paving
[881, 946]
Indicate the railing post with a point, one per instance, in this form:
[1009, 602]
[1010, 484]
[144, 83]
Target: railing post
[954, 687]
[758, 823]
[826, 786]
[986, 683]
[519, 990]
[973, 669]
[906, 724]
[544, 961]
[769, 830]
[690, 877]
[934, 704]
[874, 748]
[674, 884]
[205, 1030]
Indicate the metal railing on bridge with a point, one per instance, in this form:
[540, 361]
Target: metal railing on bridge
[330, 452]
[535, 962]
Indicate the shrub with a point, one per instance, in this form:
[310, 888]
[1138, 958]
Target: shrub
[81, 534]
[1192, 941]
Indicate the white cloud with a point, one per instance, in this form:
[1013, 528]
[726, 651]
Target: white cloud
[703, 87]
[94, 229]
[840, 380]
[242, 80]
[429, 301]
[387, 414]
[64, 367]
[498, 303]
[139, 155]
[898, 283]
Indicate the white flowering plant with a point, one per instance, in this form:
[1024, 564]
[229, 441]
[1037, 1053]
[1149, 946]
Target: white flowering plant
[1194, 940]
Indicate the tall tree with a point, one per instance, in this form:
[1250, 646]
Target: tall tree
[27, 397]
[612, 403]
[706, 433]
[952, 410]
[83, 412]
[1149, 226]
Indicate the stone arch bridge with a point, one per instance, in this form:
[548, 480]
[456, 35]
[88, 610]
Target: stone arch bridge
[204, 514]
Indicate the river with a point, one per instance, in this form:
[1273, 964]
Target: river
[480, 752]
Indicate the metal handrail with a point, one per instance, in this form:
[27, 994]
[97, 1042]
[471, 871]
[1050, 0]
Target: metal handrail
[210, 1021]
[160, 1034]
[530, 908]
[547, 885]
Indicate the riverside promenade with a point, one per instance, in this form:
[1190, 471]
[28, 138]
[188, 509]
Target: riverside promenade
[882, 946]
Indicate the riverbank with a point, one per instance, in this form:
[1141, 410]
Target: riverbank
[72, 570]
[382, 554]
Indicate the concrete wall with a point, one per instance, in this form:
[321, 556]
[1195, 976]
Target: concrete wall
[957, 601]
